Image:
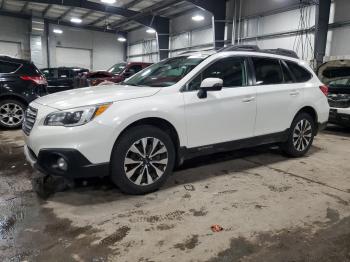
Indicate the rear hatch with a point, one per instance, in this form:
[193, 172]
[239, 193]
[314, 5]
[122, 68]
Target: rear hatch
[336, 74]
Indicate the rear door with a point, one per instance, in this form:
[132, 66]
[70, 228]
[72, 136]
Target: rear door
[10, 82]
[278, 96]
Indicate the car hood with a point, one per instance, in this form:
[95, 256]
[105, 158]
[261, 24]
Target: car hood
[333, 70]
[95, 95]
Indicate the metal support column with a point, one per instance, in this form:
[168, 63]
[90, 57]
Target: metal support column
[161, 25]
[321, 30]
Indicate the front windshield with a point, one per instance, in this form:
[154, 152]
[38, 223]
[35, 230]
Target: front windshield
[117, 68]
[165, 73]
[343, 82]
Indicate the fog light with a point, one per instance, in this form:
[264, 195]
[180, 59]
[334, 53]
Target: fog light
[62, 164]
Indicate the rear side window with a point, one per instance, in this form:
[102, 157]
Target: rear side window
[29, 69]
[300, 73]
[63, 73]
[268, 71]
[7, 67]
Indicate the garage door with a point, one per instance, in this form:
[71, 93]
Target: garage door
[11, 49]
[73, 57]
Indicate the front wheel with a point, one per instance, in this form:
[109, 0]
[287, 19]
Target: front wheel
[11, 113]
[301, 136]
[142, 159]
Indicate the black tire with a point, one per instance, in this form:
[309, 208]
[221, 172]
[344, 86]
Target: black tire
[122, 151]
[292, 147]
[5, 121]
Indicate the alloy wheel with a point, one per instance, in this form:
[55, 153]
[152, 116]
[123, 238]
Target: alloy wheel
[11, 114]
[302, 135]
[146, 161]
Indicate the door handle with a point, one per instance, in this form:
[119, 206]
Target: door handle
[248, 99]
[294, 93]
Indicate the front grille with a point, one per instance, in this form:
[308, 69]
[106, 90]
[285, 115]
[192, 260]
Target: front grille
[29, 120]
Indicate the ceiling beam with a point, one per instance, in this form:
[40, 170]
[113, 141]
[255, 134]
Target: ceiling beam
[132, 3]
[53, 21]
[98, 20]
[24, 8]
[46, 10]
[139, 17]
[149, 11]
[88, 13]
[91, 6]
[65, 13]
[184, 12]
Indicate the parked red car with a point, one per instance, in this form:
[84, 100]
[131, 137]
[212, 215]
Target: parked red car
[117, 73]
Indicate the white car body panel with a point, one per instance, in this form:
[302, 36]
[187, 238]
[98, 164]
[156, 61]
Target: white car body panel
[219, 118]
[223, 116]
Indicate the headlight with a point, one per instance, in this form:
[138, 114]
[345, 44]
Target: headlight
[76, 116]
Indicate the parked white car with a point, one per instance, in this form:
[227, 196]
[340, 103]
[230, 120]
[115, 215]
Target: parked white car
[182, 107]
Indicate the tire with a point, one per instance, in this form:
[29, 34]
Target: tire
[11, 113]
[136, 172]
[299, 143]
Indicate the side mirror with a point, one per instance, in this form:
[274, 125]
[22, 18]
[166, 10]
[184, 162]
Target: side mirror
[210, 84]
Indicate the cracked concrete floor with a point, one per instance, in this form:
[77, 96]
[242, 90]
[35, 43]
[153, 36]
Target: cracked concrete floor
[271, 208]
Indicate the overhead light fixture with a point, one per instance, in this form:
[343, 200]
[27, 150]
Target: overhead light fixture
[151, 31]
[121, 39]
[108, 1]
[76, 20]
[57, 31]
[197, 18]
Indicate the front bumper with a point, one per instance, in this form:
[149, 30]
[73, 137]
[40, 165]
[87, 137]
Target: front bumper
[78, 166]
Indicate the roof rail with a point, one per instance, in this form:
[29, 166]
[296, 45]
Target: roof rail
[281, 51]
[255, 48]
[240, 48]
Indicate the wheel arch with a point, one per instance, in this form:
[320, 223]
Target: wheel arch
[14, 97]
[312, 112]
[162, 124]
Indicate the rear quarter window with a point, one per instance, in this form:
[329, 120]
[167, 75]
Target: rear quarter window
[8, 67]
[300, 74]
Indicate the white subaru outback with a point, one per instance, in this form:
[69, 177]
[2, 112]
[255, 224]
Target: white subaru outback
[179, 108]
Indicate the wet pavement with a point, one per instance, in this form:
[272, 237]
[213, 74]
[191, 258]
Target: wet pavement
[271, 208]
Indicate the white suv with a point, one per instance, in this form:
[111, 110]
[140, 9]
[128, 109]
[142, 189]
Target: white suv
[179, 108]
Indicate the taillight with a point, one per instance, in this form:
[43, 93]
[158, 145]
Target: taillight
[39, 80]
[324, 89]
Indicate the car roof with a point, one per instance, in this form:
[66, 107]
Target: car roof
[13, 59]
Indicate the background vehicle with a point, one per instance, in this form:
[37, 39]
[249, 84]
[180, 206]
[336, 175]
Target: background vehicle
[179, 108]
[20, 83]
[336, 74]
[63, 78]
[117, 73]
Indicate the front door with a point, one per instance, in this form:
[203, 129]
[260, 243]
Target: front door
[224, 115]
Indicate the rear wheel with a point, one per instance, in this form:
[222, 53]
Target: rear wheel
[301, 135]
[11, 113]
[142, 159]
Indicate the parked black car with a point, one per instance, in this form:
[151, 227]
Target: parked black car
[63, 78]
[20, 83]
[336, 74]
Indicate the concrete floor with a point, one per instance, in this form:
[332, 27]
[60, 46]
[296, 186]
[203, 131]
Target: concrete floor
[271, 208]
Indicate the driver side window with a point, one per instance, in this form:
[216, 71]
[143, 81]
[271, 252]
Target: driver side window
[231, 70]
